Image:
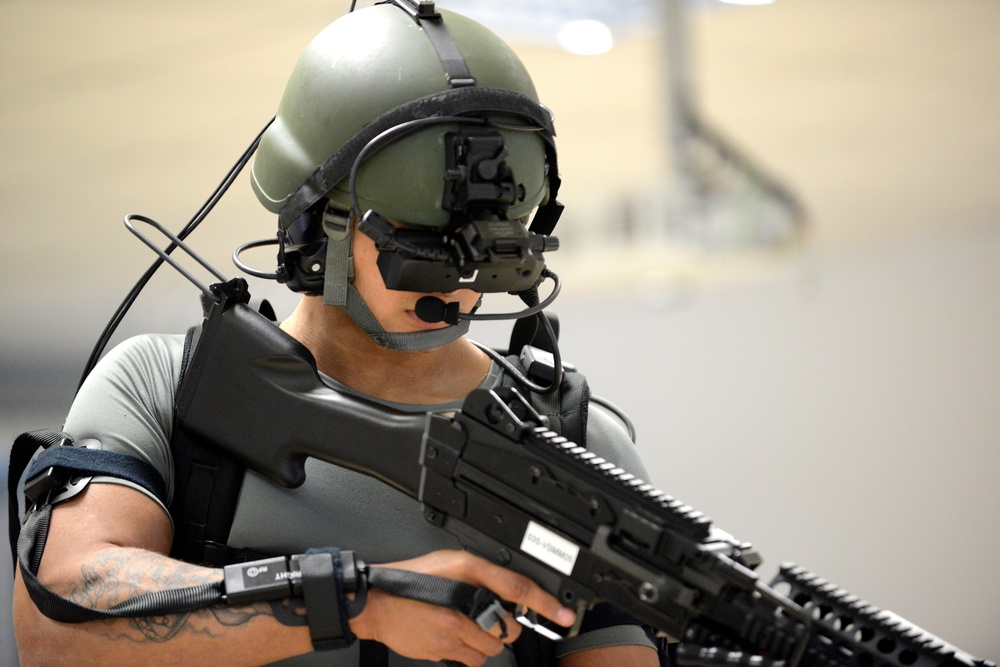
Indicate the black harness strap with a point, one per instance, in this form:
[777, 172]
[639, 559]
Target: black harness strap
[21, 451]
[59, 471]
[83, 462]
[30, 547]
[204, 504]
[206, 489]
[49, 479]
[455, 67]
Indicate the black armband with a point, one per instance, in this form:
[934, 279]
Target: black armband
[65, 468]
[322, 578]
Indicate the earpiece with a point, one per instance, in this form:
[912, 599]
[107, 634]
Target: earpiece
[302, 251]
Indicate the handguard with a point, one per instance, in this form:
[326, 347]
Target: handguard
[521, 495]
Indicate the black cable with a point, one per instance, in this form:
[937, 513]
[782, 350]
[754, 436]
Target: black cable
[617, 412]
[530, 298]
[518, 376]
[273, 275]
[532, 309]
[390, 136]
[170, 260]
[397, 132]
[192, 224]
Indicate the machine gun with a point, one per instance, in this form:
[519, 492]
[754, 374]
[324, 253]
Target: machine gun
[515, 492]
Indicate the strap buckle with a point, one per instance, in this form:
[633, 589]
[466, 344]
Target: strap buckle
[55, 483]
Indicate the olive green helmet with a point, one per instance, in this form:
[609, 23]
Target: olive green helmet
[380, 117]
[375, 70]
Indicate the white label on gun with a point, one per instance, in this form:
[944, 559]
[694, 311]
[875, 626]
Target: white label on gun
[551, 548]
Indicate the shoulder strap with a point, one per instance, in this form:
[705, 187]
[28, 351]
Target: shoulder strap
[63, 470]
[64, 610]
[526, 331]
[59, 473]
[206, 489]
[566, 408]
[21, 451]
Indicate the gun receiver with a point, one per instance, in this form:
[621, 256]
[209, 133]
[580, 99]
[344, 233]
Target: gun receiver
[519, 494]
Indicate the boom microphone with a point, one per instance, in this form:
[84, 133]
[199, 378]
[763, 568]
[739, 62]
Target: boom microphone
[432, 309]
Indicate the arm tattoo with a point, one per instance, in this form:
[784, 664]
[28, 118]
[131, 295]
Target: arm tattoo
[116, 575]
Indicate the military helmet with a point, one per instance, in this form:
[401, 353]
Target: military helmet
[375, 71]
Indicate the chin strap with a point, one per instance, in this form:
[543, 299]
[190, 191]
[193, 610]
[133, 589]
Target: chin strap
[415, 341]
[339, 290]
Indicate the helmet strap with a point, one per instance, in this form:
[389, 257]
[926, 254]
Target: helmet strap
[452, 59]
[338, 272]
[414, 341]
[339, 290]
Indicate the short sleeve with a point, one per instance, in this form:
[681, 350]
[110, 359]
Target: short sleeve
[127, 401]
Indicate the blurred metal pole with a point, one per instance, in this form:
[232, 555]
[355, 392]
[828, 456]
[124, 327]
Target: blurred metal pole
[690, 135]
[676, 43]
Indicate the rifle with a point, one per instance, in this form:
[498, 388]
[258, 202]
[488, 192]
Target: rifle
[513, 491]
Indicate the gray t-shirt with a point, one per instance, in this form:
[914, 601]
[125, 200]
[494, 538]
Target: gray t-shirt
[127, 403]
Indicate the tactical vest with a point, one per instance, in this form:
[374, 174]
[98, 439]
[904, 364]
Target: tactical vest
[207, 486]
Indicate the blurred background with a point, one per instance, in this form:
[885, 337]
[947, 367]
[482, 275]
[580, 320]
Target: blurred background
[781, 249]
